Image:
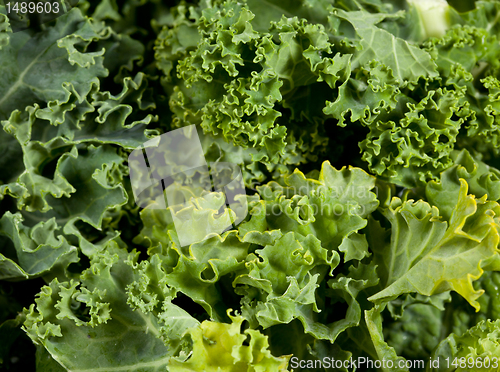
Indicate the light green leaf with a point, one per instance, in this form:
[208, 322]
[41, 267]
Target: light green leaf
[373, 320]
[219, 347]
[449, 258]
[354, 247]
[479, 343]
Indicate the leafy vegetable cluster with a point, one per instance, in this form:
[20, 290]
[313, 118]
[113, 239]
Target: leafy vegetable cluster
[384, 245]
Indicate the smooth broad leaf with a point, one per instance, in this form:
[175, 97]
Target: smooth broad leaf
[373, 320]
[45, 362]
[407, 62]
